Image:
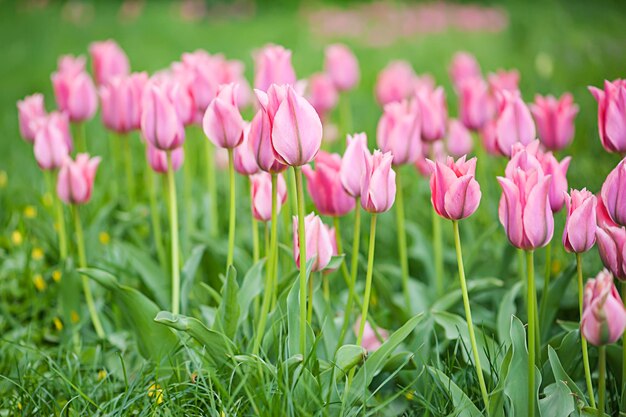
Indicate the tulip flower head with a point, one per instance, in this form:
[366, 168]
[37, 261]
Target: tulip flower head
[121, 101]
[378, 187]
[474, 103]
[323, 94]
[614, 193]
[31, 111]
[459, 139]
[463, 67]
[157, 159]
[261, 143]
[395, 82]
[51, 145]
[272, 65]
[612, 115]
[160, 124]
[370, 340]
[352, 167]
[245, 162]
[324, 186]
[503, 80]
[222, 122]
[261, 195]
[514, 123]
[341, 66]
[579, 234]
[611, 239]
[76, 178]
[555, 120]
[399, 131]
[604, 317]
[108, 60]
[319, 245]
[434, 113]
[74, 90]
[455, 193]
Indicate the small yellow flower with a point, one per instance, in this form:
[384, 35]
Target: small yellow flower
[409, 396]
[47, 199]
[19, 405]
[555, 266]
[16, 238]
[74, 316]
[373, 300]
[56, 275]
[37, 254]
[4, 180]
[39, 282]
[58, 324]
[104, 238]
[102, 374]
[155, 391]
[30, 212]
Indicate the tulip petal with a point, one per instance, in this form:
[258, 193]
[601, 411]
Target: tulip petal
[462, 198]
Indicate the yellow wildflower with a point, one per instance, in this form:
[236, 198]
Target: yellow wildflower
[56, 275]
[30, 212]
[155, 391]
[4, 180]
[373, 300]
[37, 254]
[58, 324]
[39, 282]
[104, 238]
[16, 238]
[409, 396]
[102, 374]
[74, 316]
[555, 267]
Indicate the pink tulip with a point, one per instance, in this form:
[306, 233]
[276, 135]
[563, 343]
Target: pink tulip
[30, 112]
[62, 123]
[261, 195]
[51, 145]
[455, 193]
[324, 186]
[378, 187]
[612, 115]
[514, 123]
[488, 138]
[604, 317]
[318, 242]
[76, 178]
[474, 106]
[555, 120]
[341, 66]
[261, 143]
[399, 131]
[160, 123]
[322, 94]
[436, 152]
[352, 167]
[463, 67]
[200, 70]
[178, 89]
[434, 113]
[222, 123]
[395, 82]
[245, 162]
[503, 80]
[69, 64]
[459, 139]
[108, 60]
[157, 159]
[370, 341]
[614, 193]
[121, 99]
[611, 240]
[579, 234]
[74, 90]
[272, 65]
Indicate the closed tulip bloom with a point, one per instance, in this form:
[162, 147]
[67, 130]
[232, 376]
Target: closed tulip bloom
[463, 67]
[436, 151]
[177, 87]
[514, 123]
[157, 159]
[341, 66]
[222, 122]
[261, 195]
[160, 123]
[488, 138]
[555, 120]
[612, 115]
[558, 185]
[579, 234]
[370, 340]
[399, 132]
[459, 139]
[62, 123]
[322, 95]
[378, 188]
[352, 167]
[272, 65]
[395, 82]
[121, 101]
[200, 69]
[76, 178]
[30, 111]
[319, 245]
[503, 80]
[245, 162]
[108, 60]
[434, 113]
[261, 143]
[455, 193]
[72, 65]
[611, 239]
[614, 193]
[75, 94]
[604, 317]
[474, 107]
[324, 186]
[51, 145]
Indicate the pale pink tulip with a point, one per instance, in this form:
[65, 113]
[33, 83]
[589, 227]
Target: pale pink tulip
[76, 178]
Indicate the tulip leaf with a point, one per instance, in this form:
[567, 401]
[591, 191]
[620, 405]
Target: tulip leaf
[555, 292]
[506, 311]
[251, 287]
[335, 262]
[227, 317]
[463, 405]
[150, 273]
[188, 275]
[558, 401]
[347, 357]
[561, 375]
[453, 298]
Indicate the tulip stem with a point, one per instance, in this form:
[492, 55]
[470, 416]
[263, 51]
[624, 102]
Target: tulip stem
[156, 224]
[326, 288]
[368, 279]
[623, 344]
[356, 240]
[530, 305]
[128, 165]
[583, 340]
[345, 113]
[302, 250]
[79, 134]
[233, 209]
[468, 314]
[309, 312]
[51, 179]
[212, 186]
[187, 189]
[256, 251]
[546, 284]
[601, 379]
[438, 252]
[404, 260]
[269, 268]
[82, 263]
[171, 185]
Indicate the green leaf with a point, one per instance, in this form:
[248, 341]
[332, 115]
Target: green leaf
[453, 298]
[188, 275]
[496, 397]
[506, 311]
[250, 289]
[154, 341]
[558, 401]
[228, 313]
[150, 273]
[347, 357]
[463, 406]
[561, 375]
[335, 262]
[557, 288]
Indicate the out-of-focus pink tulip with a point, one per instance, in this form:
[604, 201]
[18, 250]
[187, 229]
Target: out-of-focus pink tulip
[272, 65]
[459, 139]
[245, 162]
[579, 234]
[503, 80]
[611, 239]
[395, 82]
[76, 178]
[474, 106]
[378, 187]
[612, 115]
[201, 71]
[435, 151]
[322, 93]
[318, 242]
[121, 100]
[74, 90]
[455, 193]
[30, 112]
[222, 123]
[324, 186]
[69, 64]
[108, 61]
[423, 82]
[434, 113]
[604, 317]
[555, 120]
[463, 67]
[341, 66]
[370, 341]
[261, 195]
[157, 159]
[160, 123]
[51, 145]
[614, 193]
[178, 89]
[261, 143]
[514, 123]
[399, 131]
[352, 167]
[488, 138]
[62, 123]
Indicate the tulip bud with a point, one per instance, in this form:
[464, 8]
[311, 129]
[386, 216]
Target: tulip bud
[121, 99]
[555, 120]
[370, 340]
[604, 317]
[69, 64]
[514, 123]
[157, 159]
[222, 122]
[503, 80]
[178, 89]
[200, 69]
[324, 186]
[108, 60]
[352, 167]
[318, 242]
[558, 171]
[436, 152]
[51, 148]
[160, 124]
[455, 193]
[612, 115]
[341, 66]
[614, 193]
[272, 65]
[611, 240]
[378, 188]
[261, 143]
[434, 113]
[459, 140]
[322, 94]
[30, 111]
[245, 162]
[395, 82]
[488, 138]
[261, 195]
[76, 178]
[579, 234]
[74, 90]
[474, 107]
[463, 67]
[399, 132]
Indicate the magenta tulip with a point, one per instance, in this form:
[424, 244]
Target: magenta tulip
[160, 123]
[604, 317]
[514, 122]
[157, 159]
[558, 171]
[30, 113]
[318, 242]
[324, 186]
[272, 65]
[579, 234]
[611, 240]
[245, 162]
[463, 67]
[322, 95]
[503, 80]
[222, 123]
[434, 113]
[612, 115]
[261, 195]
[395, 82]
[614, 193]
[108, 61]
[352, 167]
[474, 107]
[378, 187]
[76, 178]
[341, 66]
[399, 131]
[455, 193]
[121, 100]
[459, 139]
[74, 90]
[261, 143]
[555, 120]
[51, 145]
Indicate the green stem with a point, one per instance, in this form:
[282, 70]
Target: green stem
[623, 344]
[79, 135]
[233, 209]
[368, 278]
[401, 232]
[546, 284]
[353, 269]
[51, 179]
[339, 244]
[188, 188]
[82, 263]
[438, 252]
[302, 249]
[128, 165]
[171, 185]
[601, 379]
[468, 315]
[256, 251]
[531, 297]
[212, 186]
[583, 340]
[154, 215]
[309, 312]
[114, 150]
[345, 113]
[326, 288]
